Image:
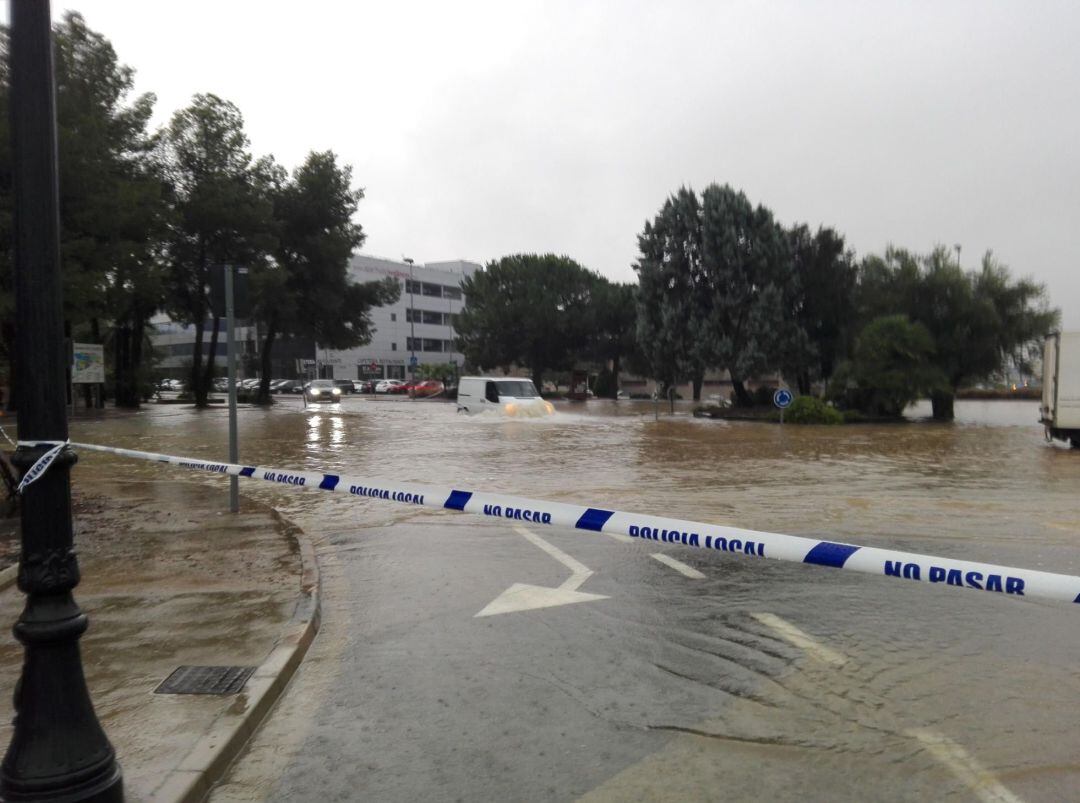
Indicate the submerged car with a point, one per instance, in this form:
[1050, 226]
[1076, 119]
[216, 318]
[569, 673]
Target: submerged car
[320, 391]
[509, 396]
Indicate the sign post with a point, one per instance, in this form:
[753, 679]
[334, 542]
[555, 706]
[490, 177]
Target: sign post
[782, 399]
[234, 487]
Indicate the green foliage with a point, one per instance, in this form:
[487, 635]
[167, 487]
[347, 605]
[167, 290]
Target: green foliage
[224, 213]
[113, 208]
[893, 365]
[811, 410]
[668, 273]
[716, 288]
[824, 307]
[978, 321]
[614, 328]
[305, 291]
[440, 371]
[604, 385]
[526, 309]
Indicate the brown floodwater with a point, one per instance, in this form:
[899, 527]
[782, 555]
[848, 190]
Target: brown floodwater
[942, 693]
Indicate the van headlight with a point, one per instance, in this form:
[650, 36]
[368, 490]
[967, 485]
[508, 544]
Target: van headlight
[511, 409]
[549, 407]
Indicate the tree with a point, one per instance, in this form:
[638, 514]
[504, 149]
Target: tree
[978, 320]
[112, 201]
[716, 289]
[223, 215]
[306, 291]
[892, 366]
[614, 326]
[526, 309]
[824, 306]
[669, 307]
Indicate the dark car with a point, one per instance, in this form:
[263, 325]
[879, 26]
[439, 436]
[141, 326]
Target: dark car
[322, 391]
[344, 385]
[287, 386]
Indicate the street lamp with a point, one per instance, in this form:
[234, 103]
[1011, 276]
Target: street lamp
[957, 247]
[412, 325]
[58, 749]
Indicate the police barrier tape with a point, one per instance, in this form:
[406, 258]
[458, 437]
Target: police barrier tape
[1003, 580]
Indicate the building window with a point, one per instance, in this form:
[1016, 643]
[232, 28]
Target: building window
[395, 372]
[393, 317]
[432, 345]
[452, 292]
[393, 346]
[412, 344]
[433, 290]
[432, 317]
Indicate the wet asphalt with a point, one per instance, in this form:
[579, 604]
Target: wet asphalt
[755, 680]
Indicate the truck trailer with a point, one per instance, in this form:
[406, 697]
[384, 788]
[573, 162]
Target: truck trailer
[1060, 410]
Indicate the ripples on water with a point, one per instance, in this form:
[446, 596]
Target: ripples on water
[998, 675]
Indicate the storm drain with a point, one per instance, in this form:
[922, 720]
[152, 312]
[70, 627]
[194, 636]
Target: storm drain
[205, 680]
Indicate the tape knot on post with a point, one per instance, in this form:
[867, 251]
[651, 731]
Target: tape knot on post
[41, 465]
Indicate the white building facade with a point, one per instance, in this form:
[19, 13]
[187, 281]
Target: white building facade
[420, 324]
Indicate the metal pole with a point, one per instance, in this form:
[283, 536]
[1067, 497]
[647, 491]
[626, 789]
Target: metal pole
[412, 329]
[58, 749]
[234, 482]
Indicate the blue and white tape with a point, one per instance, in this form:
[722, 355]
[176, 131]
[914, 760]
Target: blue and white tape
[1003, 580]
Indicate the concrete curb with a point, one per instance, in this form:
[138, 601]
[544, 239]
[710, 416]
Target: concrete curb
[8, 576]
[211, 756]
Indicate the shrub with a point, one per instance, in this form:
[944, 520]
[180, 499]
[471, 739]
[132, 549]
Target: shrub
[604, 385]
[811, 410]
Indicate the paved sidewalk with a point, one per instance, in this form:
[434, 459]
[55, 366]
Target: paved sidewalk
[169, 579]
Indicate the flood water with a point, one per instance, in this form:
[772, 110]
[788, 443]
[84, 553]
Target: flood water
[940, 693]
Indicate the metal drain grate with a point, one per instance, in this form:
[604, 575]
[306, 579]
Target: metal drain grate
[205, 680]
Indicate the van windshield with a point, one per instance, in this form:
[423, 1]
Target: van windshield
[518, 388]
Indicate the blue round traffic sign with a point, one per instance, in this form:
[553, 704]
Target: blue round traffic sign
[782, 398]
[413, 360]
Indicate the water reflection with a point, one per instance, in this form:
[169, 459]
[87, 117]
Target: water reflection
[991, 673]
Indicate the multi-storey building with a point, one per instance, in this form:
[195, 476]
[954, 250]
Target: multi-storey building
[419, 326]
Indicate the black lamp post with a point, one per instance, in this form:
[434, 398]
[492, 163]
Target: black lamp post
[58, 750]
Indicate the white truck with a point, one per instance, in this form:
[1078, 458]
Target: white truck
[1060, 411]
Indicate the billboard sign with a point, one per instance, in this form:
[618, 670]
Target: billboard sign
[88, 364]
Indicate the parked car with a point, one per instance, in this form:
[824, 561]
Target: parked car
[344, 385]
[365, 385]
[287, 386]
[322, 390]
[390, 386]
[429, 387]
[221, 384]
[249, 384]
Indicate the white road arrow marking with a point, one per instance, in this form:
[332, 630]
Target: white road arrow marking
[524, 597]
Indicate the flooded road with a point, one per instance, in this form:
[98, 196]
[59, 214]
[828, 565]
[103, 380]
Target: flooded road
[713, 677]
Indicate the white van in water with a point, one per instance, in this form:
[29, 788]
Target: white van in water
[507, 395]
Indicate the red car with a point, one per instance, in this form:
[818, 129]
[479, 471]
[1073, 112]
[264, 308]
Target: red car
[429, 387]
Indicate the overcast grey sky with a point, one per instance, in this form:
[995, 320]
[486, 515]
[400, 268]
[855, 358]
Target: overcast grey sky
[479, 129]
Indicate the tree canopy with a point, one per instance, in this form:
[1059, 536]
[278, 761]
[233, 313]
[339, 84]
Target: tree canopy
[978, 320]
[526, 309]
